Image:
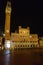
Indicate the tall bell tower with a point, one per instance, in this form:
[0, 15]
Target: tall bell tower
[7, 20]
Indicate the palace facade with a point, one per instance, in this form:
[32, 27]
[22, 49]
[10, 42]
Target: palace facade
[23, 39]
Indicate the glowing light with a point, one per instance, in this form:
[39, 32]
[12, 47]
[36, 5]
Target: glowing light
[24, 31]
[7, 44]
[7, 31]
[30, 36]
[3, 34]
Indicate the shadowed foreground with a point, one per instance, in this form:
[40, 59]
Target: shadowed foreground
[22, 57]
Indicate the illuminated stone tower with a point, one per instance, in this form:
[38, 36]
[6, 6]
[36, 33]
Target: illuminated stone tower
[7, 20]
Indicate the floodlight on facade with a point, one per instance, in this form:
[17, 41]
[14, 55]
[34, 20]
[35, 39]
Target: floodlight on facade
[7, 44]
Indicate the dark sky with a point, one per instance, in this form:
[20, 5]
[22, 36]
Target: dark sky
[24, 13]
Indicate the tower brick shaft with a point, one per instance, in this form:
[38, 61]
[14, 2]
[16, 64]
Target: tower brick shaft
[7, 20]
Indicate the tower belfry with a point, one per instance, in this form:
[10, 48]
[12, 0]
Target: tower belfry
[7, 20]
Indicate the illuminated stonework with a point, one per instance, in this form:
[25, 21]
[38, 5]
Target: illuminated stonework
[22, 39]
[7, 20]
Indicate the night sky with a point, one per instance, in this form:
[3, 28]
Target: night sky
[24, 13]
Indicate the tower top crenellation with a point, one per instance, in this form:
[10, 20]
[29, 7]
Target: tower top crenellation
[8, 7]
